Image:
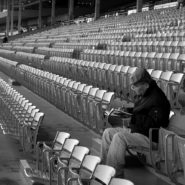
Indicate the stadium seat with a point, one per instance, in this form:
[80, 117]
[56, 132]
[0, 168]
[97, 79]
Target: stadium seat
[102, 175]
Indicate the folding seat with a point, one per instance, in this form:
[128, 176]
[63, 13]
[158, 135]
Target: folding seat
[124, 59]
[160, 46]
[181, 36]
[134, 56]
[162, 62]
[156, 61]
[110, 57]
[99, 82]
[80, 71]
[171, 63]
[150, 56]
[164, 150]
[159, 36]
[180, 47]
[91, 55]
[94, 76]
[115, 58]
[116, 78]
[102, 175]
[103, 56]
[85, 72]
[73, 162]
[91, 105]
[100, 106]
[129, 46]
[180, 65]
[69, 94]
[130, 58]
[144, 46]
[81, 166]
[144, 37]
[97, 55]
[141, 59]
[156, 74]
[75, 100]
[150, 71]
[164, 81]
[66, 94]
[164, 36]
[175, 37]
[175, 87]
[147, 46]
[88, 92]
[62, 92]
[104, 76]
[45, 149]
[176, 164]
[30, 132]
[110, 77]
[84, 54]
[120, 81]
[123, 46]
[155, 45]
[169, 36]
[173, 48]
[166, 47]
[134, 46]
[137, 38]
[129, 93]
[48, 171]
[90, 71]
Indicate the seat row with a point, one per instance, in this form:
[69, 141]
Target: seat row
[55, 52]
[84, 102]
[64, 161]
[111, 77]
[166, 157]
[174, 36]
[19, 117]
[149, 46]
[160, 61]
[154, 60]
[115, 77]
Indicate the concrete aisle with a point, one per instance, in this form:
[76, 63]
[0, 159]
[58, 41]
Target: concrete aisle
[56, 120]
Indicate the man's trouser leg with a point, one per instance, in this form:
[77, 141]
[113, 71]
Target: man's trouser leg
[118, 146]
[106, 141]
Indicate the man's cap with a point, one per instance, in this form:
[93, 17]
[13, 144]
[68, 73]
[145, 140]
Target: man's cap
[141, 75]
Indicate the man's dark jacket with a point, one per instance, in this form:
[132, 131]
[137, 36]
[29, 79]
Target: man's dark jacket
[151, 111]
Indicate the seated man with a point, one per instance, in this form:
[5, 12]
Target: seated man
[151, 110]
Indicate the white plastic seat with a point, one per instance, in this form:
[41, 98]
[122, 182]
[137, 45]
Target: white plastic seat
[91, 107]
[88, 92]
[30, 132]
[45, 149]
[164, 81]
[102, 175]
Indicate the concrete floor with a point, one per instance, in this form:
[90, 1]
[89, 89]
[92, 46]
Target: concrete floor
[10, 152]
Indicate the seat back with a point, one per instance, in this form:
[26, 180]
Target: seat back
[102, 175]
[164, 81]
[68, 147]
[118, 181]
[78, 156]
[60, 139]
[179, 160]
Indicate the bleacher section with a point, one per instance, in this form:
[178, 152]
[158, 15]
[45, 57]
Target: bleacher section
[82, 69]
